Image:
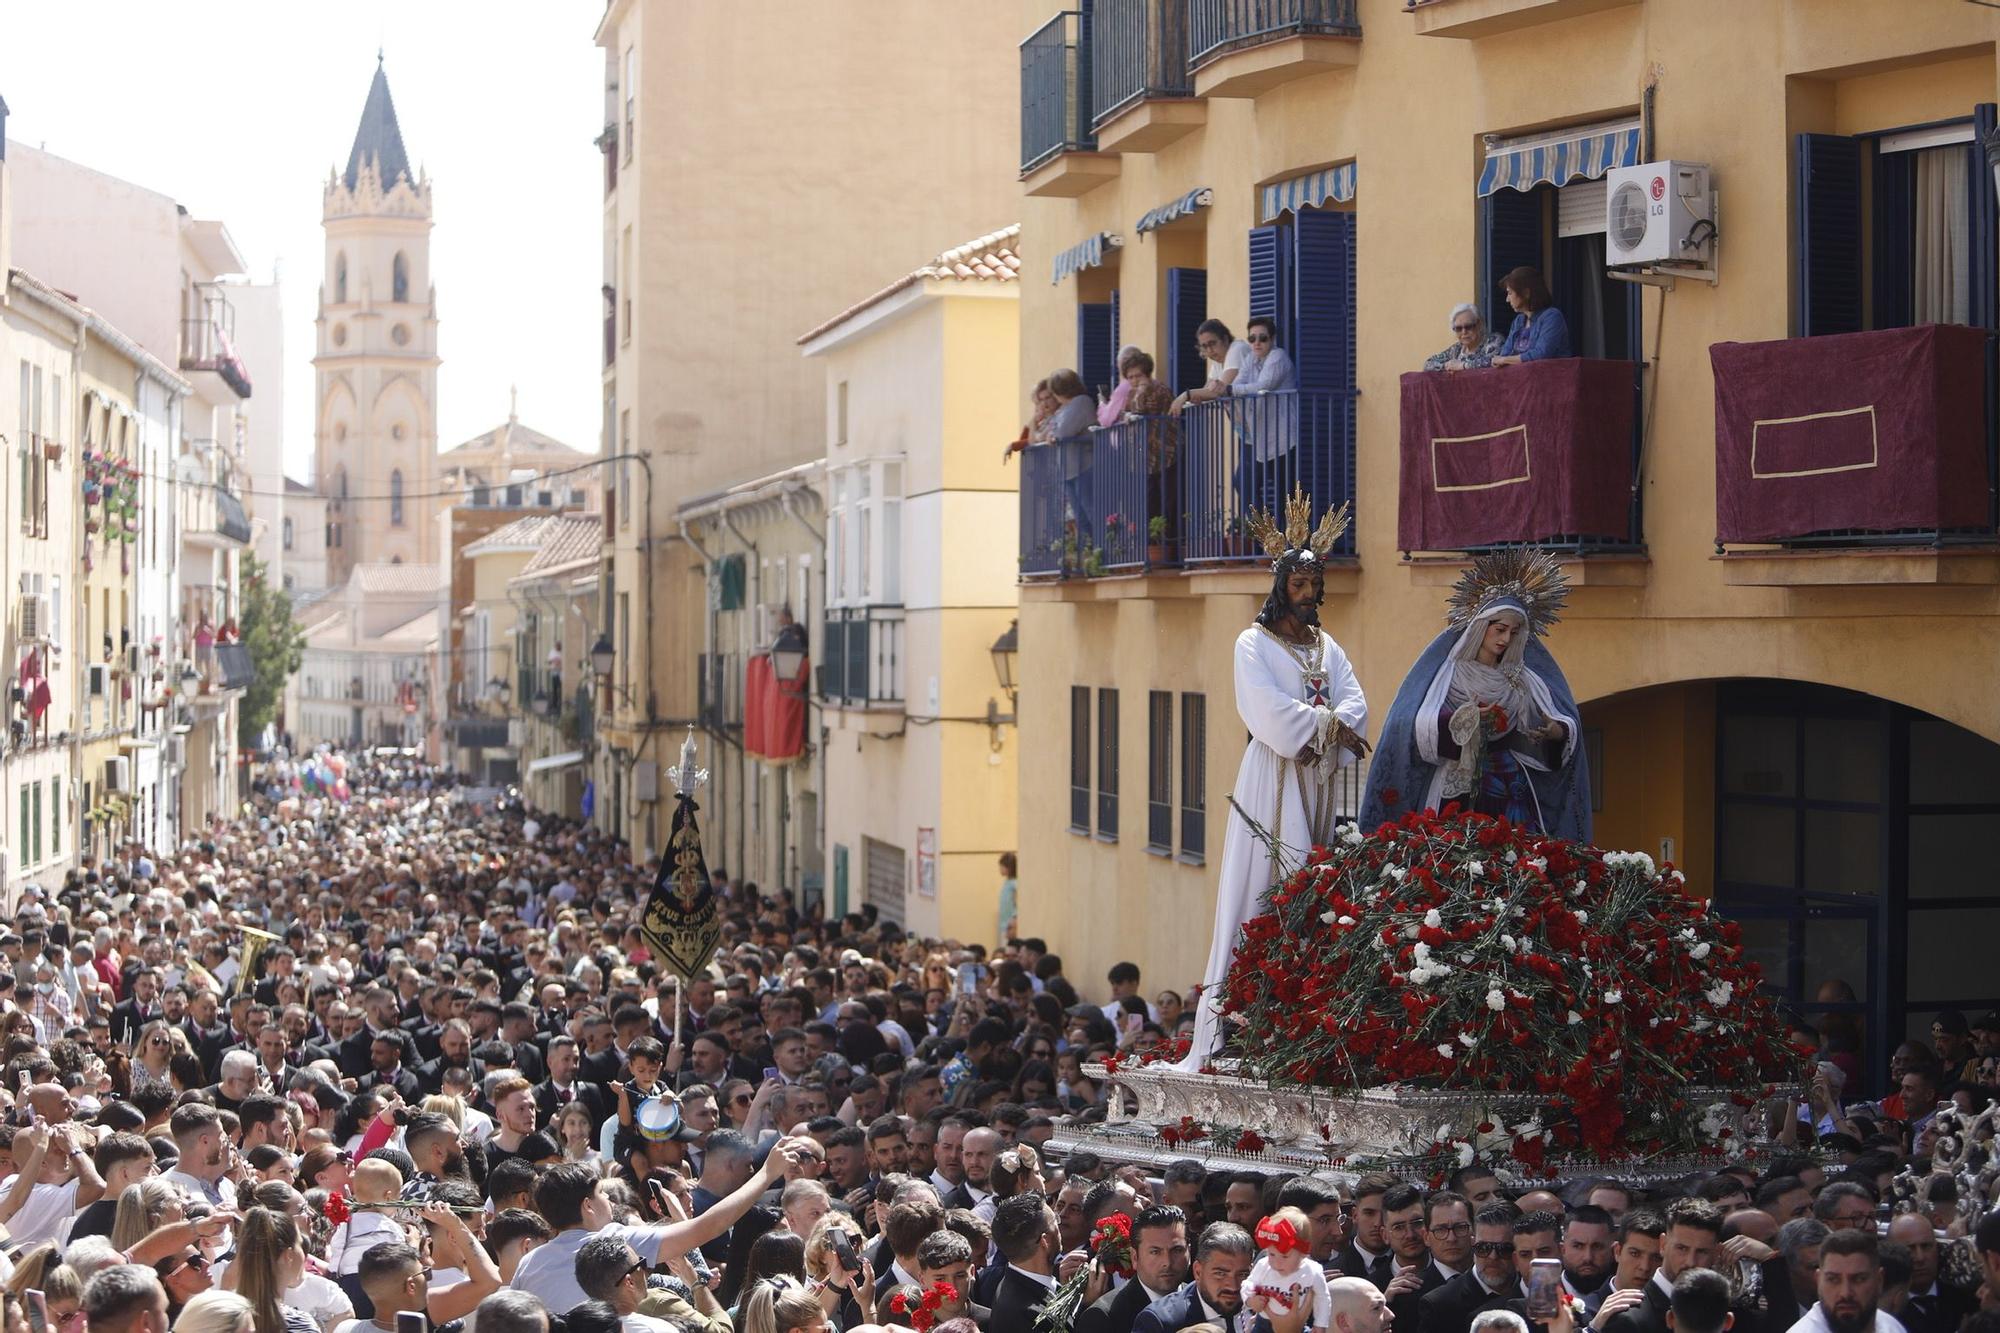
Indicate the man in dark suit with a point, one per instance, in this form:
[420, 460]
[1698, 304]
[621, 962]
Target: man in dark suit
[1159, 1266]
[454, 1052]
[562, 1087]
[1693, 1239]
[1488, 1285]
[1587, 1256]
[1222, 1262]
[1024, 1229]
[387, 1050]
[144, 1006]
[1366, 1253]
[1933, 1307]
[1405, 1217]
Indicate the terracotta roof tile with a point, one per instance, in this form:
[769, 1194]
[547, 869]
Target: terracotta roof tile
[565, 541]
[989, 258]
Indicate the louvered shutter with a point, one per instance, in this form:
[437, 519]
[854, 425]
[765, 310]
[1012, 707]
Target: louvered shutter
[1322, 336]
[1893, 239]
[1187, 307]
[1270, 277]
[1116, 337]
[1093, 347]
[1511, 238]
[1829, 234]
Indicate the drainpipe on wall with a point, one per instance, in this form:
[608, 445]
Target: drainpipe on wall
[756, 598]
[819, 759]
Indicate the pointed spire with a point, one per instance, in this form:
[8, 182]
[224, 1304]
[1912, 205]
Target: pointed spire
[379, 138]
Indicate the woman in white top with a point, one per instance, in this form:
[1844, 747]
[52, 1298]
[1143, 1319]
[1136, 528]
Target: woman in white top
[1226, 356]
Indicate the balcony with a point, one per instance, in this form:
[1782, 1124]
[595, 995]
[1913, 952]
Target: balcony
[213, 519]
[1857, 458]
[207, 342]
[1143, 96]
[480, 733]
[1546, 452]
[1160, 493]
[1059, 154]
[234, 669]
[861, 657]
[1489, 18]
[1243, 48]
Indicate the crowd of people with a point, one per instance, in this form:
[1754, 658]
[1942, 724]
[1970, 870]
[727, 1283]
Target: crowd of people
[344, 1064]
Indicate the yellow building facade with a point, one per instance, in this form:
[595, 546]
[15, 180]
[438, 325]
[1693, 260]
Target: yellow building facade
[1777, 717]
[919, 772]
[764, 163]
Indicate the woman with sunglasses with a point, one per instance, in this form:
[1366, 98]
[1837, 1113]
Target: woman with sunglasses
[153, 1055]
[1472, 347]
[737, 1098]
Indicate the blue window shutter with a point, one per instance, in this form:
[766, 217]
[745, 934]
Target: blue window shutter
[1510, 224]
[1829, 234]
[1893, 238]
[1094, 351]
[1116, 341]
[1270, 277]
[1322, 340]
[1187, 307]
[1983, 222]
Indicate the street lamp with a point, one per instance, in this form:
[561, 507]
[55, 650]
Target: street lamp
[602, 656]
[788, 652]
[1005, 649]
[540, 703]
[190, 683]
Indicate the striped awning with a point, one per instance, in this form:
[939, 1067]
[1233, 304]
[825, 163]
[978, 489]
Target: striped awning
[1200, 197]
[1308, 191]
[1560, 156]
[1088, 254]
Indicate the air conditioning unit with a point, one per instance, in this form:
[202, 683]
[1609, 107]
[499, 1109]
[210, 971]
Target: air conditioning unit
[96, 678]
[1659, 213]
[34, 619]
[118, 774]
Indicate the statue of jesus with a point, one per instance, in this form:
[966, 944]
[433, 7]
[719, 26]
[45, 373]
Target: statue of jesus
[1307, 719]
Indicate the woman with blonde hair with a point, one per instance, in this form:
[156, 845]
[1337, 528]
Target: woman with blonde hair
[847, 1295]
[270, 1261]
[782, 1305]
[61, 1287]
[217, 1312]
[153, 1055]
[144, 1208]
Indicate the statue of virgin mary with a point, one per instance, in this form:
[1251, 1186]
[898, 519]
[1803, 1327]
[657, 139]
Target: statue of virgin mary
[1485, 719]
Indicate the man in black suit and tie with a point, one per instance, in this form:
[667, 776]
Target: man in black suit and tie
[1587, 1257]
[1405, 1220]
[1693, 1239]
[1024, 1229]
[1488, 1285]
[1222, 1262]
[562, 1087]
[1366, 1254]
[130, 1015]
[1933, 1307]
[1159, 1268]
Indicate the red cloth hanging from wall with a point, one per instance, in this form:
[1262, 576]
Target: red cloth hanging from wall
[774, 711]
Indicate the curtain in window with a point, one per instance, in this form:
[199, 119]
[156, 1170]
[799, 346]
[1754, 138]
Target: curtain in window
[1943, 249]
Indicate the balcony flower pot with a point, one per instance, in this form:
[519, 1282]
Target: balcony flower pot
[1157, 553]
[52, 451]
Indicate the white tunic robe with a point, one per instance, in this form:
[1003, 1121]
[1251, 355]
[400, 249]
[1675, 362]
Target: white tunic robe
[1273, 698]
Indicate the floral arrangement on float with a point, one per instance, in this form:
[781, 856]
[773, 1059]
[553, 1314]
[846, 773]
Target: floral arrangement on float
[1580, 1000]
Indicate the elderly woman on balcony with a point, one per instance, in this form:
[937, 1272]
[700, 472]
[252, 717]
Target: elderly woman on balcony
[1539, 332]
[1472, 348]
[1113, 409]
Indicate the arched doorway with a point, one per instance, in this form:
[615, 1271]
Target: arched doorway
[1848, 834]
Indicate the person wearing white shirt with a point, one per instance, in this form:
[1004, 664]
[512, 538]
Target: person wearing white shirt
[1850, 1288]
[1226, 356]
[56, 1181]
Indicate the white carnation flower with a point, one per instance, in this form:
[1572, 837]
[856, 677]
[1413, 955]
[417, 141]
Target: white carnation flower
[1719, 993]
[1432, 918]
[1700, 951]
[1447, 1050]
[1574, 1018]
[1347, 921]
[1509, 943]
[1474, 869]
[1326, 917]
[1468, 1039]
[1465, 1155]
[1582, 917]
[1613, 996]
[1495, 1000]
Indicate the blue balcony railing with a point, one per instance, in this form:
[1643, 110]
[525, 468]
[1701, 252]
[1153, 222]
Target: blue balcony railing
[1239, 454]
[1055, 90]
[1220, 26]
[1138, 50]
[1106, 503]
[1166, 491]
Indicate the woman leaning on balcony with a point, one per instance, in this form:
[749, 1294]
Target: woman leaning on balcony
[1472, 347]
[1539, 333]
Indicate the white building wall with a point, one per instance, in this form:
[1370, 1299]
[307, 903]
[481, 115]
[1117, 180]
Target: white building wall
[260, 341]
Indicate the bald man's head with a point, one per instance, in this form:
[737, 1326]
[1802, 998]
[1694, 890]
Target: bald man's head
[976, 1155]
[1358, 1306]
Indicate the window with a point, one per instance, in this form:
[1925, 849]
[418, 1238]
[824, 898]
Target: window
[340, 278]
[55, 816]
[625, 286]
[1561, 232]
[631, 86]
[399, 278]
[1079, 759]
[34, 464]
[35, 828]
[865, 534]
[625, 469]
[840, 413]
[24, 843]
[1914, 210]
[1159, 771]
[288, 532]
[1107, 765]
[625, 641]
[396, 497]
[1194, 776]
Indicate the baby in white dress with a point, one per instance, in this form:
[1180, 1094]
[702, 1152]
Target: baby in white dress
[1285, 1274]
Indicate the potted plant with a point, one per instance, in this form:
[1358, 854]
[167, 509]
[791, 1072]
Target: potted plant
[1156, 540]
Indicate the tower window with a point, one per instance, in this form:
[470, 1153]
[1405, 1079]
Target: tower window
[396, 497]
[340, 278]
[399, 278]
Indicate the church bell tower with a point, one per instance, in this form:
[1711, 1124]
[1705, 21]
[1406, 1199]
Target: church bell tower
[375, 355]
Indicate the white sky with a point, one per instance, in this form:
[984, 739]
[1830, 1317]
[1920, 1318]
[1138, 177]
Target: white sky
[238, 108]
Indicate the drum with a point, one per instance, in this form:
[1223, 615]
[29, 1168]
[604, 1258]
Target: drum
[659, 1119]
